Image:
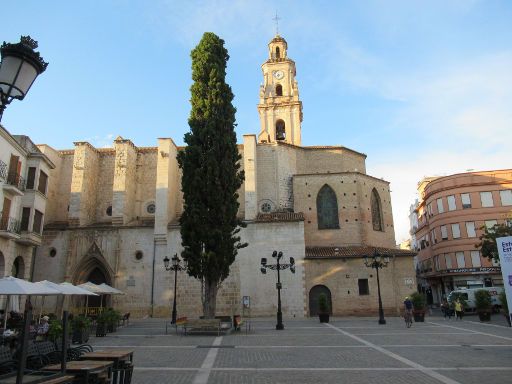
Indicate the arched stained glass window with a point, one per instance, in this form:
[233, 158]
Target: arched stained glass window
[327, 208]
[376, 211]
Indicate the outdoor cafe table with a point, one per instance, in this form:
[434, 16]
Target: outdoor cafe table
[118, 356]
[38, 379]
[84, 369]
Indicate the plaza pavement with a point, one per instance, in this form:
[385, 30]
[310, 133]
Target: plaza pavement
[347, 350]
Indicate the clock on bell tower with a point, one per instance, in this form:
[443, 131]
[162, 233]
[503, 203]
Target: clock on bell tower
[279, 108]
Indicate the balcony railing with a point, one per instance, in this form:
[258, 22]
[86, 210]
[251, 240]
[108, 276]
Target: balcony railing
[15, 179]
[10, 224]
[3, 170]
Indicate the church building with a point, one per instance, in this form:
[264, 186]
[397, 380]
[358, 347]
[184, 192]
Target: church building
[112, 216]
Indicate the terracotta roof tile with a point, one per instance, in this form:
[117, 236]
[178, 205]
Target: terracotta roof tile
[280, 216]
[353, 251]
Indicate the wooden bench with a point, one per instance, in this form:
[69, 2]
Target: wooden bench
[203, 325]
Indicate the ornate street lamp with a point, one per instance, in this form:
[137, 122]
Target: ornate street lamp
[19, 68]
[278, 267]
[176, 266]
[378, 262]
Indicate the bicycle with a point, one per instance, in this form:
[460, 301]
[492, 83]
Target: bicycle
[408, 319]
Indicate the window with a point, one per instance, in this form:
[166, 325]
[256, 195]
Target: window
[278, 54]
[489, 224]
[43, 181]
[279, 90]
[109, 210]
[444, 232]
[448, 260]
[461, 263]
[470, 228]
[486, 198]
[475, 259]
[506, 197]
[455, 231]
[436, 263]
[466, 200]
[151, 208]
[440, 208]
[429, 209]
[327, 208]
[364, 289]
[451, 203]
[376, 211]
[25, 218]
[37, 227]
[433, 236]
[31, 178]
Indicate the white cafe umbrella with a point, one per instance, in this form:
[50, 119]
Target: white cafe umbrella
[91, 287]
[12, 286]
[66, 289]
[111, 290]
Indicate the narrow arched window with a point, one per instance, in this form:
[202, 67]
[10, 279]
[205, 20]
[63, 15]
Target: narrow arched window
[280, 130]
[279, 90]
[376, 211]
[277, 53]
[327, 208]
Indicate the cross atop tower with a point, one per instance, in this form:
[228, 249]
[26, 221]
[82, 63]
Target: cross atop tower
[276, 19]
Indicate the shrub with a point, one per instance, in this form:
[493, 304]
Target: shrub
[418, 300]
[483, 299]
[323, 306]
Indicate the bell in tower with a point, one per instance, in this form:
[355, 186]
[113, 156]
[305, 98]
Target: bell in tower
[279, 108]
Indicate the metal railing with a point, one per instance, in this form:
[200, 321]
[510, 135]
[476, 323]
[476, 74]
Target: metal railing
[9, 224]
[15, 179]
[3, 170]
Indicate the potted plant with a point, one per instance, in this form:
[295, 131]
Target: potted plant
[101, 325]
[504, 306]
[112, 319]
[483, 304]
[323, 308]
[54, 330]
[81, 326]
[419, 303]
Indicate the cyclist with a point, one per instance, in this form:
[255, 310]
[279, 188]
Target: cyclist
[408, 310]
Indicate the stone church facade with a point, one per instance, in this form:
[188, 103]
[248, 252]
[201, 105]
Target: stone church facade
[113, 215]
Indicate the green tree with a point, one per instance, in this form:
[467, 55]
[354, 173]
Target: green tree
[487, 242]
[211, 173]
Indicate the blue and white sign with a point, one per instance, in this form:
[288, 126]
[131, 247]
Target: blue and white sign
[505, 252]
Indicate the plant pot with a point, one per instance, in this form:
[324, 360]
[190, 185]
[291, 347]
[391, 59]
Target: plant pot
[324, 317]
[80, 336]
[101, 330]
[484, 315]
[419, 316]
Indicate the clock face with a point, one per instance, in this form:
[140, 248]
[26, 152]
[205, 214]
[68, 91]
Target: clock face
[278, 75]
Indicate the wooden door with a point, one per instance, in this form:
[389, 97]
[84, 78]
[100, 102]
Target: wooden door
[6, 210]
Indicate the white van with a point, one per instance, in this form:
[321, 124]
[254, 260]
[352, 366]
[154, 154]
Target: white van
[469, 296]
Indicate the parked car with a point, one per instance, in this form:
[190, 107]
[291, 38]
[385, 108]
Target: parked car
[469, 296]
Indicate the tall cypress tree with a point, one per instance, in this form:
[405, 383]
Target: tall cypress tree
[211, 173]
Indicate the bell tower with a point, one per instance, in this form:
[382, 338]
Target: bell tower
[279, 108]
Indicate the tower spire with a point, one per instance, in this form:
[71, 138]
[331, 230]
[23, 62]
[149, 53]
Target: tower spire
[276, 20]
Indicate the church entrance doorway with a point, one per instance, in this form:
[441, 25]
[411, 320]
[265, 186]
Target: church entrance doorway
[314, 293]
[96, 276]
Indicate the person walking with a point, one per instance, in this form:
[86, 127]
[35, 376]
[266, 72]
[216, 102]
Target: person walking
[408, 307]
[445, 308]
[459, 309]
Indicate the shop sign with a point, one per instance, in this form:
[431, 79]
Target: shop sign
[504, 245]
[474, 270]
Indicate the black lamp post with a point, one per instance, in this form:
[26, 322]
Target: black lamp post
[176, 266]
[278, 266]
[378, 262]
[19, 68]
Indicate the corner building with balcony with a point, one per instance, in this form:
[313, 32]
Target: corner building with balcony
[446, 224]
[24, 172]
[113, 216]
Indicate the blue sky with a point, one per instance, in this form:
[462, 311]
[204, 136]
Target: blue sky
[422, 87]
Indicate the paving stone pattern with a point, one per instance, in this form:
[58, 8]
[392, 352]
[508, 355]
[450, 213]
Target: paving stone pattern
[348, 350]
